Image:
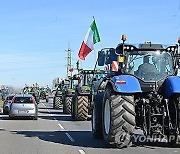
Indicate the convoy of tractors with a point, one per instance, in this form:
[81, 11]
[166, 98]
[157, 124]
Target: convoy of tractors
[42, 93]
[131, 87]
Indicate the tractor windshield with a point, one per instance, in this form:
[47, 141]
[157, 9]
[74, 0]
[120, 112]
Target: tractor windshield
[149, 65]
[74, 83]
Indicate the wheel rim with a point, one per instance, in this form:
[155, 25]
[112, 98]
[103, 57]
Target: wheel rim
[107, 116]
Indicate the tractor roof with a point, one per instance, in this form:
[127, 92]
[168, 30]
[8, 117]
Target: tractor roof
[151, 46]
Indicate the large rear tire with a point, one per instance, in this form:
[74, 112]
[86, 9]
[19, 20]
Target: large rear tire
[80, 108]
[118, 119]
[96, 119]
[57, 102]
[67, 105]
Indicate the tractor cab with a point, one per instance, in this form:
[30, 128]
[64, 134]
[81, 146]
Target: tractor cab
[65, 85]
[150, 63]
[85, 81]
[73, 82]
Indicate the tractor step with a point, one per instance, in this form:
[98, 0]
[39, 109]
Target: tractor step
[178, 140]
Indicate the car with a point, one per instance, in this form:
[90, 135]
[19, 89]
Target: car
[7, 103]
[23, 105]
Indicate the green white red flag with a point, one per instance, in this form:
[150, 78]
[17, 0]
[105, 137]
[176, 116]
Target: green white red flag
[91, 38]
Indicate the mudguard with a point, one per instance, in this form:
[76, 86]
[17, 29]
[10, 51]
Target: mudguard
[172, 86]
[125, 84]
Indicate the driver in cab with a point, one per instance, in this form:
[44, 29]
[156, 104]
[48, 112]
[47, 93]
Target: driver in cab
[146, 71]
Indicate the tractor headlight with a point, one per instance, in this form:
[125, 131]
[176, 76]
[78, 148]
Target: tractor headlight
[171, 49]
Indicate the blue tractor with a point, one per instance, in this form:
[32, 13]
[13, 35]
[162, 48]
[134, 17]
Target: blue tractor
[140, 89]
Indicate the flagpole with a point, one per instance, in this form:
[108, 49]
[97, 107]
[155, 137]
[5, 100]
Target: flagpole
[96, 57]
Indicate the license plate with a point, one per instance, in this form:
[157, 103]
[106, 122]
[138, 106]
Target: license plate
[22, 111]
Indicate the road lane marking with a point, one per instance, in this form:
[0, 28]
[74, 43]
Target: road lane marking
[47, 109]
[69, 136]
[60, 126]
[81, 151]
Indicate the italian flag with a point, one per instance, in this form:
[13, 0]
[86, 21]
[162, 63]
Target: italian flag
[91, 38]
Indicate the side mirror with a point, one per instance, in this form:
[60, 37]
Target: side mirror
[111, 56]
[101, 58]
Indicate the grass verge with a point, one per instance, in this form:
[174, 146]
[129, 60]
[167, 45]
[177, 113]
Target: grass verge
[1, 105]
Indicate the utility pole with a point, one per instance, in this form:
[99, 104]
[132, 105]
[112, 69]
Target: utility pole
[69, 59]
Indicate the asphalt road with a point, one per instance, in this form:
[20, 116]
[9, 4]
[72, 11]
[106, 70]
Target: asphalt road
[55, 133]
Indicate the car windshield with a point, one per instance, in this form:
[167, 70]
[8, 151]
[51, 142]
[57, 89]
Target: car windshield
[149, 65]
[23, 100]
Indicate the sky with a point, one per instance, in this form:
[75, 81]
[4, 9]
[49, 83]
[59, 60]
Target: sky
[34, 34]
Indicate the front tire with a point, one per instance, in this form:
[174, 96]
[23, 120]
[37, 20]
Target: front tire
[67, 105]
[118, 119]
[80, 108]
[96, 119]
[57, 102]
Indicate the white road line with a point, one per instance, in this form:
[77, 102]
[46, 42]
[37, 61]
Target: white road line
[47, 109]
[60, 126]
[69, 136]
[81, 151]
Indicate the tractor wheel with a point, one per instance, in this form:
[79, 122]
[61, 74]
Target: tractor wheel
[80, 108]
[67, 105]
[118, 119]
[73, 107]
[97, 116]
[57, 102]
[174, 113]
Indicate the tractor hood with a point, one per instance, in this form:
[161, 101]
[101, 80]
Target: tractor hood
[125, 84]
